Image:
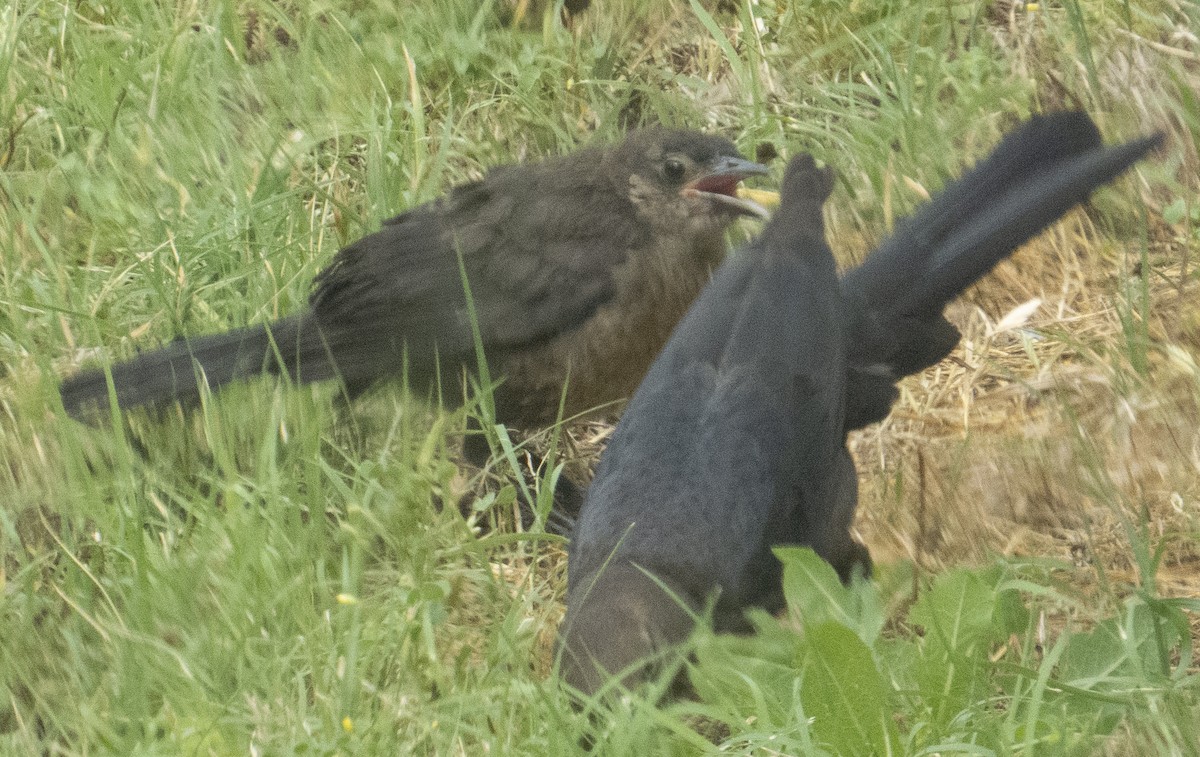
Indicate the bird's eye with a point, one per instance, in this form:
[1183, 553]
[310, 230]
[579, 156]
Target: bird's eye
[673, 170]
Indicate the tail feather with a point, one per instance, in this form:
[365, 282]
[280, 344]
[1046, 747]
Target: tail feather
[1015, 218]
[1037, 149]
[178, 371]
[1035, 175]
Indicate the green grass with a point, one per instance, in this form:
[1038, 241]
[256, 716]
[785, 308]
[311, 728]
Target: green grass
[274, 573]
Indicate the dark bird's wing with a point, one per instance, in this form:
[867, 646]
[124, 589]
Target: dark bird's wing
[1035, 175]
[733, 443]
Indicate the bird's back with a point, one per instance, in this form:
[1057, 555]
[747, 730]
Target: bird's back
[724, 446]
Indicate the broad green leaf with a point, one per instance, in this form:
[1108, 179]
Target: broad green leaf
[844, 694]
[815, 594]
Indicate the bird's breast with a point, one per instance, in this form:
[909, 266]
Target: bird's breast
[605, 358]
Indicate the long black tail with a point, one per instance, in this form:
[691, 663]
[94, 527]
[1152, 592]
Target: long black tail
[997, 226]
[177, 371]
[1023, 158]
[1035, 175]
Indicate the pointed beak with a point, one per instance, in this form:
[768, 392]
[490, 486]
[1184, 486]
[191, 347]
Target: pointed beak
[720, 184]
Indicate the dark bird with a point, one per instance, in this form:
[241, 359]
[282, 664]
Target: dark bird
[735, 442]
[579, 265]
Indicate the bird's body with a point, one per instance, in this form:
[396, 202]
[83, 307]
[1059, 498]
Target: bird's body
[578, 265]
[732, 444]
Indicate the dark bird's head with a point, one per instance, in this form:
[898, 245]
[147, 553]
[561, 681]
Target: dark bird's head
[798, 224]
[681, 179]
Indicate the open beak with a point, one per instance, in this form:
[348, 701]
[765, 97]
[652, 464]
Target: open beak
[720, 184]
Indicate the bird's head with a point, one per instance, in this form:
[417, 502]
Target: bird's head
[686, 180]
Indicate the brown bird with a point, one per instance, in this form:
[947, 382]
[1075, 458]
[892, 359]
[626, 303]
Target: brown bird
[578, 266]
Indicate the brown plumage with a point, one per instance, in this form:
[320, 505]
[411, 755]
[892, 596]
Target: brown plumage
[580, 264]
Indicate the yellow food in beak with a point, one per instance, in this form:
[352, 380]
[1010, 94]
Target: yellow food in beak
[764, 197]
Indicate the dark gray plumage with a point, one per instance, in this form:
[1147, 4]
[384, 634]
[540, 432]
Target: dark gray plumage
[1038, 172]
[732, 444]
